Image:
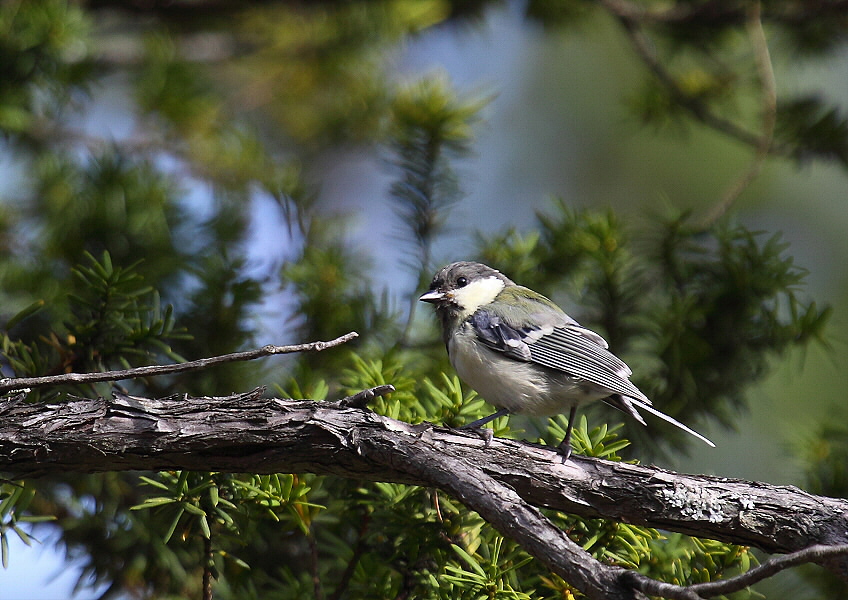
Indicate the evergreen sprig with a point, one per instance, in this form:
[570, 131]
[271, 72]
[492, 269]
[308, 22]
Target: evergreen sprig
[431, 128]
[113, 319]
[115, 316]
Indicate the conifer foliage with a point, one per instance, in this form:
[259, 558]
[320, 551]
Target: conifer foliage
[132, 248]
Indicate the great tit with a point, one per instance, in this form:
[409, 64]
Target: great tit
[524, 355]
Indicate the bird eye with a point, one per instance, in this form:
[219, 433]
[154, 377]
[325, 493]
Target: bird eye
[461, 281]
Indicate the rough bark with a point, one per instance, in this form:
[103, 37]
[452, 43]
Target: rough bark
[506, 482]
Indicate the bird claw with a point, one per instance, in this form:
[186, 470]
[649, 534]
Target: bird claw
[564, 451]
[486, 434]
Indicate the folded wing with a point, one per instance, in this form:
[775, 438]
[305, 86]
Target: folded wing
[565, 346]
[569, 348]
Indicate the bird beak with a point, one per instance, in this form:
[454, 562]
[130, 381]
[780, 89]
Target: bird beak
[433, 297]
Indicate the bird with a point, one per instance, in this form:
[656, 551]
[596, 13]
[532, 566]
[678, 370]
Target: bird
[524, 355]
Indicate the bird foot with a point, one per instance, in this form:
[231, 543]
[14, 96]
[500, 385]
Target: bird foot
[564, 450]
[485, 434]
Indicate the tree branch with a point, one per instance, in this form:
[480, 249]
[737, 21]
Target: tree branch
[699, 109]
[23, 383]
[818, 553]
[208, 566]
[717, 13]
[505, 509]
[765, 72]
[506, 482]
[711, 589]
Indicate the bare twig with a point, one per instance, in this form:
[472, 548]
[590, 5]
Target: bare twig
[363, 398]
[317, 587]
[660, 589]
[698, 591]
[765, 73]
[770, 567]
[710, 11]
[20, 383]
[208, 565]
[677, 13]
[695, 106]
[721, 12]
[358, 551]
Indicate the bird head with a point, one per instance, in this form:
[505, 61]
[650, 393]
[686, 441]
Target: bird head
[460, 288]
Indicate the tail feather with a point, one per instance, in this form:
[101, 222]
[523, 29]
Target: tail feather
[625, 405]
[668, 419]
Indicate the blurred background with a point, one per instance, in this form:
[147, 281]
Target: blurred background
[244, 151]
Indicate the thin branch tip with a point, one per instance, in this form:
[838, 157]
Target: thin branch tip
[342, 339]
[21, 383]
[768, 93]
[361, 399]
[772, 566]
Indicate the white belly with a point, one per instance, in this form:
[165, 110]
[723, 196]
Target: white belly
[519, 387]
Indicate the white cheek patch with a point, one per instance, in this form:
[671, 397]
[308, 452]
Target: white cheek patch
[476, 294]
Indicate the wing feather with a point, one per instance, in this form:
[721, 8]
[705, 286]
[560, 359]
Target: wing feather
[570, 348]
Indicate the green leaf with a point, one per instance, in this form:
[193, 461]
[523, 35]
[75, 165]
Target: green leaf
[225, 503]
[9, 501]
[204, 527]
[469, 560]
[193, 509]
[30, 310]
[154, 502]
[37, 518]
[591, 541]
[224, 516]
[173, 527]
[24, 537]
[614, 447]
[234, 559]
[154, 483]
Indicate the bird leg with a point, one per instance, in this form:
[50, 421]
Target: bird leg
[565, 445]
[477, 425]
[480, 422]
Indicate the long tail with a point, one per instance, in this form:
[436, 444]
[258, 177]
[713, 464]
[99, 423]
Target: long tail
[625, 404]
